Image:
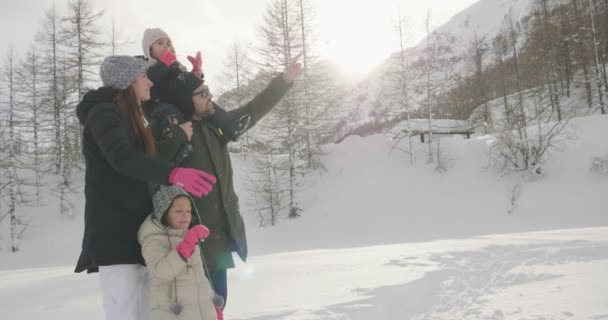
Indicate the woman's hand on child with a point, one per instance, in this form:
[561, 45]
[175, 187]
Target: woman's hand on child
[168, 58]
[194, 181]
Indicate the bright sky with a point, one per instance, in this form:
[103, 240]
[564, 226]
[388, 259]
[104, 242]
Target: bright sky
[357, 34]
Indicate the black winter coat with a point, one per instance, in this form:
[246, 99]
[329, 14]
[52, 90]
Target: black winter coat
[116, 183]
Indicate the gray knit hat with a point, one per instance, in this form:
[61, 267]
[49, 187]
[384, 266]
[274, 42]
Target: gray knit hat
[151, 35]
[119, 72]
[163, 199]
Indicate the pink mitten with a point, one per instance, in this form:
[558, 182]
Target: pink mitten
[196, 182]
[196, 233]
[197, 64]
[168, 58]
[186, 249]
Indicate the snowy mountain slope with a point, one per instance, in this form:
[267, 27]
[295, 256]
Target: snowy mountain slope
[573, 106]
[483, 18]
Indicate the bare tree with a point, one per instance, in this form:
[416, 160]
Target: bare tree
[69, 145]
[436, 65]
[565, 47]
[403, 81]
[500, 48]
[392, 102]
[428, 72]
[581, 49]
[519, 119]
[237, 73]
[280, 33]
[10, 186]
[234, 82]
[82, 35]
[311, 82]
[50, 45]
[264, 185]
[32, 116]
[65, 185]
[521, 148]
[605, 41]
[547, 43]
[597, 54]
[117, 39]
[477, 54]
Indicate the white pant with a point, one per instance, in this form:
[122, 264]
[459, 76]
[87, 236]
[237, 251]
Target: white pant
[126, 290]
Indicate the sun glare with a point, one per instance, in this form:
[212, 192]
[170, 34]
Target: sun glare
[358, 35]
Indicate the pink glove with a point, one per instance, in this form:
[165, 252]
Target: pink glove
[220, 314]
[197, 64]
[168, 58]
[196, 182]
[192, 237]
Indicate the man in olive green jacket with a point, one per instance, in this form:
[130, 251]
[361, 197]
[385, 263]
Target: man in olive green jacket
[219, 209]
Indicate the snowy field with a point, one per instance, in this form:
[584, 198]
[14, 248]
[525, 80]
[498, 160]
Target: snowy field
[542, 275]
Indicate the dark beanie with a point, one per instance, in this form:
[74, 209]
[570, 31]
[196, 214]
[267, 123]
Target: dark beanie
[181, 86]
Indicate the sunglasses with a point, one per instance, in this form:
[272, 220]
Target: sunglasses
[205, 93]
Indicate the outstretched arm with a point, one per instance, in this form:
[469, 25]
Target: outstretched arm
[267, 99]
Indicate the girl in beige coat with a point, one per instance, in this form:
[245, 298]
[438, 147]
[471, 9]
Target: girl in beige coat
[169, 239]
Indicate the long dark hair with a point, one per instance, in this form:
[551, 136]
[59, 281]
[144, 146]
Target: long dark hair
[128, 102]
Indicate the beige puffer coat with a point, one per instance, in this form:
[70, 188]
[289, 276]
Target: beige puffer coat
[173, 280]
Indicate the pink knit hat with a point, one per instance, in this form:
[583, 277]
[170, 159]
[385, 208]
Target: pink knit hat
[151, 35]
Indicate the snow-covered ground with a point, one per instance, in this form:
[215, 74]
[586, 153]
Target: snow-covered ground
[382, 239]
[543, 275]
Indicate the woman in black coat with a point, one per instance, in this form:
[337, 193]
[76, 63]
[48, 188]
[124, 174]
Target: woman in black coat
[119, 152]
